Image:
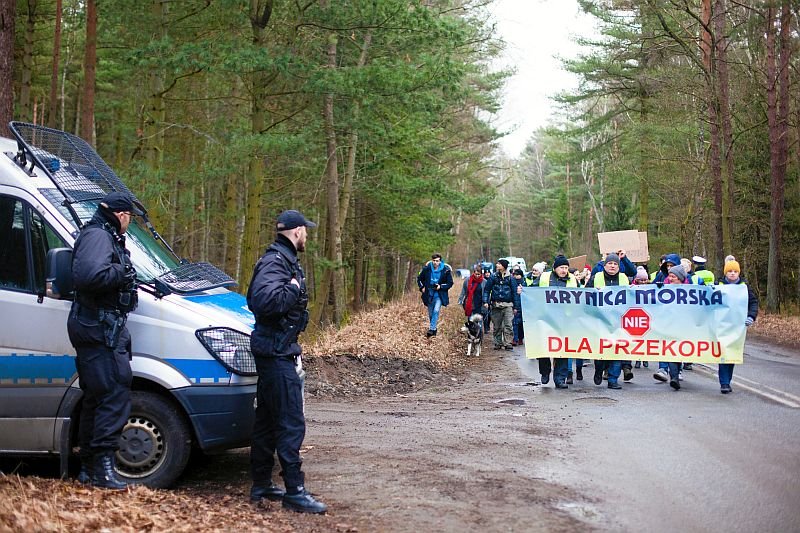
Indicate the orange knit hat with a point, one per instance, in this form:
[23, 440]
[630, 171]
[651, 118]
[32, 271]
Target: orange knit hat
[732, 265]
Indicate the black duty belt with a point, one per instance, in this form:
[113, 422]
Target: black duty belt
[90, 313]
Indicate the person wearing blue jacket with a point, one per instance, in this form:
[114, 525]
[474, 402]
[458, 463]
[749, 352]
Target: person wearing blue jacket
[434, 282]
[500, 295]
[732, 276]
[670, 260]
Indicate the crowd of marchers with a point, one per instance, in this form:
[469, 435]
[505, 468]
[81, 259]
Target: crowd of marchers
[494, 294]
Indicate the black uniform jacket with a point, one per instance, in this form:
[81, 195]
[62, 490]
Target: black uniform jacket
[98, 270]
[273, 298]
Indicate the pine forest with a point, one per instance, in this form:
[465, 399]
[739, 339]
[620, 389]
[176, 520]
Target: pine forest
[376, 119]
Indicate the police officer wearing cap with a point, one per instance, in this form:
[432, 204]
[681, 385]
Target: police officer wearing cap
[105, 292]
[277, 297]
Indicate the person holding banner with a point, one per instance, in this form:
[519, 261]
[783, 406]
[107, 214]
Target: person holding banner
[609, 276]
[558, 277]
[732, 277]
[676, 275]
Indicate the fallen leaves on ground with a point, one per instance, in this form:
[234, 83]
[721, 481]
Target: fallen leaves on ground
[37, 504]
[396, 330]
[782, 329]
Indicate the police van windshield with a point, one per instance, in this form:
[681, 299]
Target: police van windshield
[150, 257]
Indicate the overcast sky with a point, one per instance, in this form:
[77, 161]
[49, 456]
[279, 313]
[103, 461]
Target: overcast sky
[537, 32]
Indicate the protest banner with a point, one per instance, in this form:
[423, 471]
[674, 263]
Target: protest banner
[632, 241]
[673, 323]
[578, 262]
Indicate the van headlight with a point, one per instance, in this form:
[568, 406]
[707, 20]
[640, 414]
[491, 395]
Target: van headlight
[229, 347]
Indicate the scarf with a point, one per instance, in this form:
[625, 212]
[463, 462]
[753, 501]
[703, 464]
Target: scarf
[471, 286]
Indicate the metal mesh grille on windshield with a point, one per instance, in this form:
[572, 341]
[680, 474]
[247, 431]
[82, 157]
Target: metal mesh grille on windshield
[75, 168]
[195, 277]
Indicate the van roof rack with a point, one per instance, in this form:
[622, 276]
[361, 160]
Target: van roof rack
[80, 175]
[70, 162]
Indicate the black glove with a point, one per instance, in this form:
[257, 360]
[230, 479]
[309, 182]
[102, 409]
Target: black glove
[129, 280]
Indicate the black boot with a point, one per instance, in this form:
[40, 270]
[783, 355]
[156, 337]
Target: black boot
[104, 475]
[266, 490]
[302, 501]
[85, 473]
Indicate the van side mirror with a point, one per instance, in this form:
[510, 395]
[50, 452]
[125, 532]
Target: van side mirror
[58, 274]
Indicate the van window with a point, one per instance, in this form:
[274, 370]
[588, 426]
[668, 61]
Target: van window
[150, 257]
[19, 226]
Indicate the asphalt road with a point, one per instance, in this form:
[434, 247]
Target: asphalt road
[653, 459]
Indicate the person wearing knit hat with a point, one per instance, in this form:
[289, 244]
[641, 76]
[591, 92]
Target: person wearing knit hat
[560, 276]
[733, 277]
[624, 264]
[609, 276]
[532, 277]
[560, 260]
[641, 277]
[676, 274]
[731, 266]
[501, 298]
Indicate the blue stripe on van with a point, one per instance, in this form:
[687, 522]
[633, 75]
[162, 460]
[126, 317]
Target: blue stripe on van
[231, 302]
[198, 370]
[30, 368]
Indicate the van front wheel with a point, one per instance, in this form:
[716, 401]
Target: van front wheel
[155, 444]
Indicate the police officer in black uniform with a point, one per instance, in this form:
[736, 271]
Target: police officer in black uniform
[105, 285]
[277, 297]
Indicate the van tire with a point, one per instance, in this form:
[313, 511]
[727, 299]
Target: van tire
[156, 442]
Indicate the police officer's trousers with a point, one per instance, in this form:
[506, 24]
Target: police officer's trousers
[280, 425]
[105, 378]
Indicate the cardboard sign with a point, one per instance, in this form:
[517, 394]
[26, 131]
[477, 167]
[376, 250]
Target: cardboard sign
[632, 241]
[578, 262]
[642, 253]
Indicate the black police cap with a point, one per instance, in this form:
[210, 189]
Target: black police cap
[119, 201]
[291, 219]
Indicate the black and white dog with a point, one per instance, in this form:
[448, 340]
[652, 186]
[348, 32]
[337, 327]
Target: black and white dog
[473, 329]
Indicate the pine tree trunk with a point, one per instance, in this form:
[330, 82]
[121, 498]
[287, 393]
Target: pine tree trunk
[25, 111]
[777, 118]
[52, 108]
[89, 73]
[723, 83]
[260, 13]
[154, 119]
[334, 278]
[7, 11]
[715, 156]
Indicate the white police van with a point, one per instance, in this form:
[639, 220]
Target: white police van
[194, 378]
